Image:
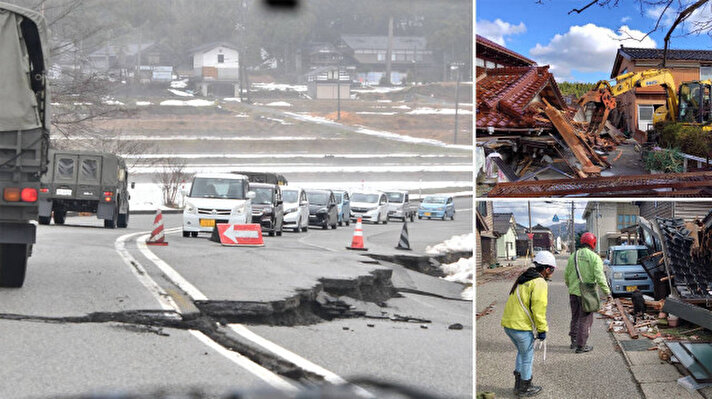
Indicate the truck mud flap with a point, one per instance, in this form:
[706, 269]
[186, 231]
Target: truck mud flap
[17, 233]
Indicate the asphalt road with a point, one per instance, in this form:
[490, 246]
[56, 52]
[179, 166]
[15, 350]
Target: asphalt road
[601, 373]
[96, 313]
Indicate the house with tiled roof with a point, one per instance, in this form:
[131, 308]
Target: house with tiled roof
[509, 86]
[635, 108]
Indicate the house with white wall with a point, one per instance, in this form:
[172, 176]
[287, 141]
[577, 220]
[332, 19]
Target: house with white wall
[505, 227]
[218, 61]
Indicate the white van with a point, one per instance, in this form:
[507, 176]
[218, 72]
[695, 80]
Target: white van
[296, 209]
[216, 198]
[370, 206]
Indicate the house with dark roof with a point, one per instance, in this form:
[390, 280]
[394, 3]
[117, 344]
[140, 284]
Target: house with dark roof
[522, 240]
[505, 227]
[543, 238]
[216, 61]
[635, 108]
[485, 236]
[490, 55]
[409, 56]
[153, 60]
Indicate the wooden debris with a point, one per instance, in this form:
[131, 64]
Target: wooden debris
[631, 329]
[489, 309]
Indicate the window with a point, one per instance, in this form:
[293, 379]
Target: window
[89, 169]
[221, 58]
[381, 56]
[705, 72]
[645, 116]
[65, 168]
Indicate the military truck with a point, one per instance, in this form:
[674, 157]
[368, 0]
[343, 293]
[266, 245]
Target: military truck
[24, 134]
[83, 181]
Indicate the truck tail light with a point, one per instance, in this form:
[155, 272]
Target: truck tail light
[44, 190]
[11, 194]
[108, 196]
[29, 194]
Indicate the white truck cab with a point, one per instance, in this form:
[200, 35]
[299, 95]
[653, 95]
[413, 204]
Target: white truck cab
[216, 198]
[370, 206]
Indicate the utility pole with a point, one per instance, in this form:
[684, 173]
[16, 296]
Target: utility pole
[457, 98]
[531, 240]
[598, 227]
[389, 51]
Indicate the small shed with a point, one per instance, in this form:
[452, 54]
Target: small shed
[329, 83]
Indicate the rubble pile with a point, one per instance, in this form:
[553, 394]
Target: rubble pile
[688, 261]
[624, 320]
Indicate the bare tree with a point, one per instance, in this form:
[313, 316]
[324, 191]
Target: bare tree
[170, 178]
[680, 9]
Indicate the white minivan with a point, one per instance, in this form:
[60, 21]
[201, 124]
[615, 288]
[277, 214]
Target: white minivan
[216, 198]
[370, 206]
[296, 209]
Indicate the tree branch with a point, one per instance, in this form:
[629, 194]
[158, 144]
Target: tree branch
[579, 11]
[683, 15]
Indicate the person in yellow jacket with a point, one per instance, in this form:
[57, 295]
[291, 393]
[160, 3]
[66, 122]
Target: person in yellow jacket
[525, 315]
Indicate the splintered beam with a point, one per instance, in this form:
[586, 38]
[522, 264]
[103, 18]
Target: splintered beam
[611, 185]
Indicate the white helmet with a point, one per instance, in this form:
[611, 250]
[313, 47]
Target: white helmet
[545, 258]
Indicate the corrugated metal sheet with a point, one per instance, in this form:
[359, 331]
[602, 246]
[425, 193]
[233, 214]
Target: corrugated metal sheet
[691, 211]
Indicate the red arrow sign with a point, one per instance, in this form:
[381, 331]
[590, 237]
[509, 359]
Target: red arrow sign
[240, 234]
[530, 235]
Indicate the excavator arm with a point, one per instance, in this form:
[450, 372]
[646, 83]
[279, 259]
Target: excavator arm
[604, 94]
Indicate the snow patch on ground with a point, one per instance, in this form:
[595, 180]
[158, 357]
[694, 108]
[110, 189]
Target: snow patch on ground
[378, 89]
[279, 86]
[232, 99]
[461, 243]
[192, 103]
[280, 121]
[375, 113]
[113, 102]
[384, 101]
[242, 116]
[179, 84]
[403, 106]
[462, 272]
[180, 93]
[279, 104]
[409, 139]
[438, 111]
[143, 103]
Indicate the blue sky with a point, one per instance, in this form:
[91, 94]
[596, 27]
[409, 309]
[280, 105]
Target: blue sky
[542, 211]
[580, 47]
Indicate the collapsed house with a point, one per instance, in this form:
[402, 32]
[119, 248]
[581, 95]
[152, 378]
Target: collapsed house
[525, 126]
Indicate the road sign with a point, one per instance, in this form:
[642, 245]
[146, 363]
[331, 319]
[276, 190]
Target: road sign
[556, 218]
[240, 235]
[530, 235]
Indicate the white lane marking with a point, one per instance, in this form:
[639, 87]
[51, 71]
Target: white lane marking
[194, 293]
[261, 372]
[165, 300]
[171, 273]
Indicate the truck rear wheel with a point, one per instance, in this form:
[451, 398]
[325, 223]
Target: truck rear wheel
[123, 220]
[45, 219]
[13, 264]
[59, 217]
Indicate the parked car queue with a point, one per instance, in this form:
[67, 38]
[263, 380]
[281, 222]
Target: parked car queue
[232, 198]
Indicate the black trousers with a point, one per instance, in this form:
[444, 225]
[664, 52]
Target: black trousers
[580, 321]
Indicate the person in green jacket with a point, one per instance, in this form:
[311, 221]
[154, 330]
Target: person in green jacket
[525, 315]
[591, 269]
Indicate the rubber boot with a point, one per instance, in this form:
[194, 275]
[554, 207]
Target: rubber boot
[517, 382]
[526, 389]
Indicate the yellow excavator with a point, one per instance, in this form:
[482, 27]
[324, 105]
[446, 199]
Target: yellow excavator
[691, 104]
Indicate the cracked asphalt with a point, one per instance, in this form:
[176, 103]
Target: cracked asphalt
[84, 323]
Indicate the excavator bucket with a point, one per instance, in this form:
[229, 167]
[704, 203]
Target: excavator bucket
[604, 102]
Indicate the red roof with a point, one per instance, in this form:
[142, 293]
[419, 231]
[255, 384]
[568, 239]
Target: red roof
[505, 94]
[486, 45]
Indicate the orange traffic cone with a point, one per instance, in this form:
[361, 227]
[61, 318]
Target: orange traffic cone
[357, 242]
[158, 237]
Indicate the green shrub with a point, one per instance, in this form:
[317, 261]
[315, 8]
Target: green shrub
[664, 160]
[689, 139]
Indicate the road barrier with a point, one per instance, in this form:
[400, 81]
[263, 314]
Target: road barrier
[357, 241]
[241, 235]
[158, 236]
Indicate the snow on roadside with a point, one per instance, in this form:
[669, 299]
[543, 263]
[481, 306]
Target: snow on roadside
[378, 89]
[113, 102]
[143, 103]
[374, 113]
[438, 111]
[279, 86]
[461, 243]
[232, 99]
[180, 93]
[192, 103]
[403, 106]
[461, 272]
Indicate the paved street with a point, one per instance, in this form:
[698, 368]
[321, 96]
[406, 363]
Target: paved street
[91, 316]
[602, 373]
